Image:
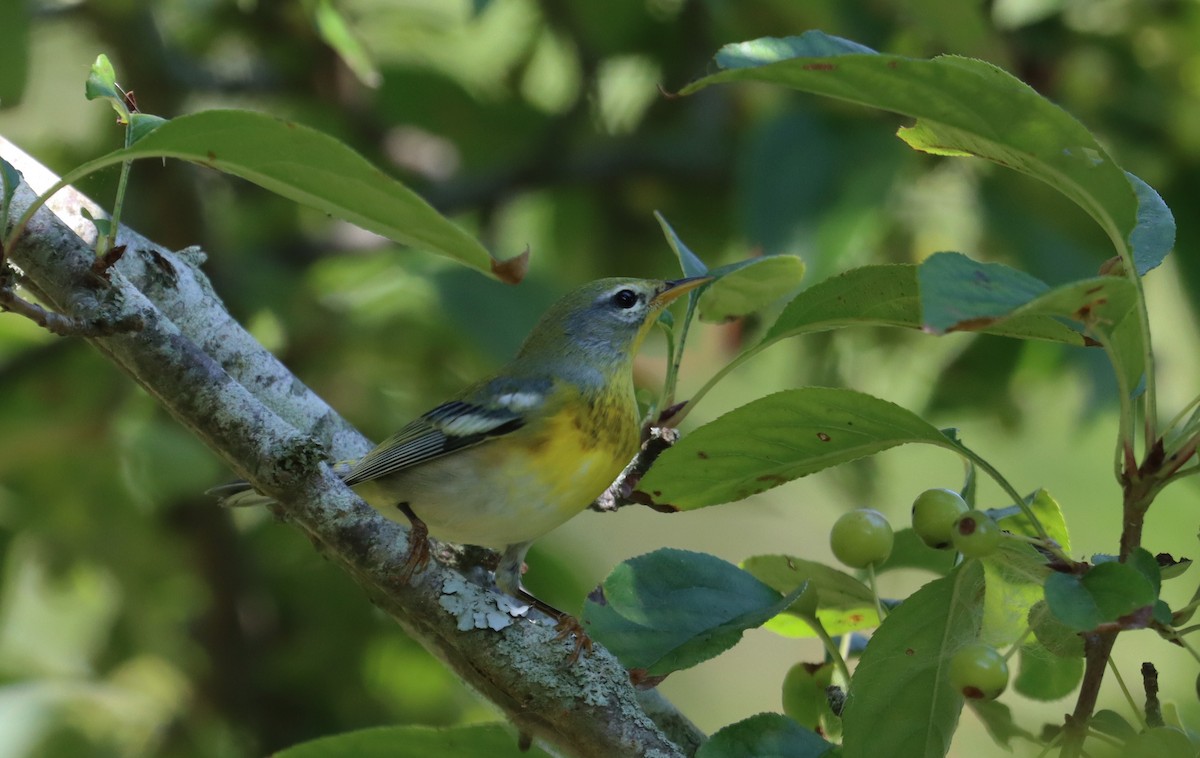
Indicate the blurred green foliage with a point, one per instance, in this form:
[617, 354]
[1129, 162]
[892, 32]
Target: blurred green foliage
[138, 619]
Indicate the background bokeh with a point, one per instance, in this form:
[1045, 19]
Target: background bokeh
[136, 618]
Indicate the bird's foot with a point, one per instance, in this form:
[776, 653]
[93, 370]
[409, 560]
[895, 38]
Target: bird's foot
[565, 624]
[568, 626]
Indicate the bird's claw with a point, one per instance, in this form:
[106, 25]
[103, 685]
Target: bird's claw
[567, 627]
[565, 624]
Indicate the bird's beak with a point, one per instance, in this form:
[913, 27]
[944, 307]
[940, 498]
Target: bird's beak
[673, 289]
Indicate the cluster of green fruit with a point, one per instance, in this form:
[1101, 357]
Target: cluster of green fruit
[942, 519]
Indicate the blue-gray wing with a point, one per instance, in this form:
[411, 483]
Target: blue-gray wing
[449, 427]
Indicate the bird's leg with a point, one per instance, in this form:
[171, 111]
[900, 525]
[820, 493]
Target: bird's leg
[508, 580]
[418, 544]
[510, 568]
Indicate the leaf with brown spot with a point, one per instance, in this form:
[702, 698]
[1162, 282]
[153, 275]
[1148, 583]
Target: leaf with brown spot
[778, 438]
[902, 703]
[967, 107]
[959, 294]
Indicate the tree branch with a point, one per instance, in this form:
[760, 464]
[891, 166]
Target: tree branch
[236, 397]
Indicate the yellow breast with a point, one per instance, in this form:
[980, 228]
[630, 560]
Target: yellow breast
[516, 488]
[579, 451]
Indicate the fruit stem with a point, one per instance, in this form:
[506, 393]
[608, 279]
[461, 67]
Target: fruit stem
[874, 592]
[1017, 645]
[996, 476]
[831, 647]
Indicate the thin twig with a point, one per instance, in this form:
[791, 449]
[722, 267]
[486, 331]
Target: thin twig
[64, 326]
[623, 492]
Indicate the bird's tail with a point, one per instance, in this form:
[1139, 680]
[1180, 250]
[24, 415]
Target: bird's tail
[241, 494]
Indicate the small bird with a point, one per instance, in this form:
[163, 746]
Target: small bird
[519, 453]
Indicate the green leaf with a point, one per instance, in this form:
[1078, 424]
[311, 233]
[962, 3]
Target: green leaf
[1147, 565]
[1175, 568]
[998, 720]
[1102, 595]
[312, 168]
[1154, 235]
[908, 551]
[844, 604]
[10, 179]
[1053, 634]
[103, 225]
[767, 734]
[886, 295]
[1122, 339]
[900, 701]
[336, 33]
[666, 321]
[689, 262]
[835, 621]
[1113, 724]
[14, 51]
[1045, 676]
[101, 84]
[1048, 512]
[102, 80]
[1105, 306]
[956, 290]
[963, 107]
[1014, 575]
[778, 438]
[671, 609]
[1161, 741]
[141, 124]
[959, 294]
[748, 286]
[493, 740]
[879, 295]
[770, 49]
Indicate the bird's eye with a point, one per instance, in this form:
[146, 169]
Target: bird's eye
[625, 299]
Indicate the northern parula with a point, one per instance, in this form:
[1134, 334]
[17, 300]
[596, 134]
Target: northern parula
[517, 454]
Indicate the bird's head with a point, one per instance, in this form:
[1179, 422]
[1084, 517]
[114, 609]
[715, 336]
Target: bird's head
[604, 322]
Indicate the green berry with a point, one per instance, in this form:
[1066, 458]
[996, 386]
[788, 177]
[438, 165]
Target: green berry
[975, 534]
[861, 537]
[933, 515]
[804, 693]
[978, 672]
